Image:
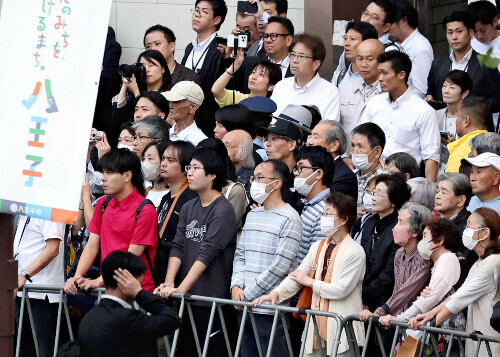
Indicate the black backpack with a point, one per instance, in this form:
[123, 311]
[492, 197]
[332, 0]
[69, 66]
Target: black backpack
[137, 212]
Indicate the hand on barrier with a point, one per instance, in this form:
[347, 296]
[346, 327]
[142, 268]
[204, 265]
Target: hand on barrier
[71, 285]
[87, 284]
[166, 291]
[365, 314]
[385, 321]
[238, 295]
[273, 296]
[127, 284]
[302, 278]
[420, 320]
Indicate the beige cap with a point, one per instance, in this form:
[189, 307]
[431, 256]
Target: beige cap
[185, 90]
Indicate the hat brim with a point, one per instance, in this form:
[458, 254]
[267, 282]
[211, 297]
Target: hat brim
[297, 123]
[173, 97]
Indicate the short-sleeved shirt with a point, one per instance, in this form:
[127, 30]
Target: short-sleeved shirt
[227, 99]
[120, 229]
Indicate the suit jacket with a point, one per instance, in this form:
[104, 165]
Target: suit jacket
[109, 329]
[182, 73]
[209, 72]
[486, 81]
[344, 180]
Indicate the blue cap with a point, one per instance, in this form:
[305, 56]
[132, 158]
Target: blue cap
[260, 105]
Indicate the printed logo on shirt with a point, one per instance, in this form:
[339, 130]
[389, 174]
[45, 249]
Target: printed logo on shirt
[195, 232]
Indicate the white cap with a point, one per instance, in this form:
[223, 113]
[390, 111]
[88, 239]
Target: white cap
[484, 160]
[185, 90]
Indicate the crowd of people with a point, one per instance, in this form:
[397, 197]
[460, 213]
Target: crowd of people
[242, 174]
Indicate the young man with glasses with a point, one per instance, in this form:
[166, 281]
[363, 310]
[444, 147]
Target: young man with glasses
[203, 250]
[266, 253]
[307, 87]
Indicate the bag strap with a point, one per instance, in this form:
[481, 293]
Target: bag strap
[105, 203]
[228, 192]
[147, 190]
[315, 266]
[171, 209]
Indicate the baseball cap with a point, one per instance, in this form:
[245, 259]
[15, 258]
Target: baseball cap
[284, 128]
[185, 90]
[298, 115]
[260, 105]
[484, 160]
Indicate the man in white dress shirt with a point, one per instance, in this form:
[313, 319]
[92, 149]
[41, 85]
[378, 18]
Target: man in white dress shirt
[307, 87]
[404, 31]
[409, 123]
[185, 98]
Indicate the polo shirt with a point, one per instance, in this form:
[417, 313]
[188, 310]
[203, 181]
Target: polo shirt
[120, 229]
[191, 134]
[460, 149]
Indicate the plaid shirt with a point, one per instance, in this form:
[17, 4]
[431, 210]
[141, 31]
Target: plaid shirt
[363, 179]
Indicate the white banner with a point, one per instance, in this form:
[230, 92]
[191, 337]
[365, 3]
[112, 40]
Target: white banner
[51, 56]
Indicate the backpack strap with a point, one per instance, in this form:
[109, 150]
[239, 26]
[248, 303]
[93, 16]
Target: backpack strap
[137, 212]
[105, 203]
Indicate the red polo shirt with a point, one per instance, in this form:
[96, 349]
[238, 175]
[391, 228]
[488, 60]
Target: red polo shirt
[120, 229]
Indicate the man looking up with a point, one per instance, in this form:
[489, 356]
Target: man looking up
[162, 39]
[409, 123]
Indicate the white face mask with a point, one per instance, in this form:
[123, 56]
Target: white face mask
[328, 226]
[149, 170]
[424, 249]
[360, 161]
[123, 146]
[299, 183]
[258, 191]
[467, 239]
[368, 202]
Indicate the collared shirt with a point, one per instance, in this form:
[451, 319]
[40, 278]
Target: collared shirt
[197, 56]
[460, 149]
[120, 229]
[353, 98]
[311, 227]
[421, 54]
[192, 134]
[284, 64]
[346, 74]
[463, 64]
[482, 48]
[262, 151]
[409, 123]
[411, 274]
[363, 180]
[475, 203]
[117, 299]
[318, 92]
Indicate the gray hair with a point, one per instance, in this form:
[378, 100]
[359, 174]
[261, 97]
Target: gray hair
[245, 153]
[422, 191]
[336, 132]
[460, 184]
[155, 126]
[486, 142]
[419, 214]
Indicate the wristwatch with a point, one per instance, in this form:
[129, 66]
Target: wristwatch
[26, 275]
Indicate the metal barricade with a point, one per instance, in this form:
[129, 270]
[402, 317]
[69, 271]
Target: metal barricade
[429, 333]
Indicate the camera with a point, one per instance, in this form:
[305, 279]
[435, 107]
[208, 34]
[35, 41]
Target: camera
[96, 135]
[239, 39]
[127, 70]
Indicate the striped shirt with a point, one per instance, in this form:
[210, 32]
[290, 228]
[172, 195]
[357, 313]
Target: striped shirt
[411, 275]
[267, 251]
[311, 227]
[363, 180]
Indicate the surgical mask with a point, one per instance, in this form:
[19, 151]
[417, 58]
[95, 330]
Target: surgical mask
[467, 239]
[300, 185]
[424, 249]
[123, 146]
[368, 202]
[149, 170]
[360, 161]
[258, 191]
[328, 226]
[401, 235]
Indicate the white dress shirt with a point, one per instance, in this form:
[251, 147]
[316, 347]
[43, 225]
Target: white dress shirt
[421, 55]
[199, 52]
[191, 134]
[463, 64]
[410, 125]
[318, 92]
[284, 64]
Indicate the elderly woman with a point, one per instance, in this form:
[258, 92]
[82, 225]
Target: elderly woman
[337, 280]
[480, 290]
[422, 191]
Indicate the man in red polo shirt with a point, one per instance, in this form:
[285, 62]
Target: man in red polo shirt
[119, 227]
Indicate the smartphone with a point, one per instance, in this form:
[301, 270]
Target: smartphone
[444, 134]
[245, 6]
[96, 135]
[221, 40]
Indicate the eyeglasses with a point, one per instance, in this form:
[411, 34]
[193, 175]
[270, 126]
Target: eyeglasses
[276, 137]
[377, 194]
[298, 168]
[273, 36]
[369, 14]
[140, 137]
[300, 56]
[258, 178]
[201, 13]
[190, 167]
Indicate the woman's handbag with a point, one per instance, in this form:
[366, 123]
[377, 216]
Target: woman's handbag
[305, 298]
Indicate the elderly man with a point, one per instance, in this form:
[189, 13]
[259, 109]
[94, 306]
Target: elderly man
[148, 129]
[240, 151]
[330, 135]
[484, 178]
[185, 98]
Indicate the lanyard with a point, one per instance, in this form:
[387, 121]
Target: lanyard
[199, 59]
[22, 235]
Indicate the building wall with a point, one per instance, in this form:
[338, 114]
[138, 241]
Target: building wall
[130, 18]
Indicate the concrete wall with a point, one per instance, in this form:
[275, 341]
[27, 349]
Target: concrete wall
[130, 18]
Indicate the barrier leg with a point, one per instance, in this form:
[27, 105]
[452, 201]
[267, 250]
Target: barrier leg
[338, 335]
[224, 330]
[176, 333]
[448, 351]
[488, 348]
[273, 332]
[367, 337]
[421, 349]
[255, 332]
[240, 332]
[68, 318]
[316, 331]
[351, 338]
[394, 341]
[20, 324]
[193, 326]
[461, 347]
[209, 329]
[304, 335]
[32, 324]
[287, 335]
[58, 325]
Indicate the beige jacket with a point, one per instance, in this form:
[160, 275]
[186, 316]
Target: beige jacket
[344, 291]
